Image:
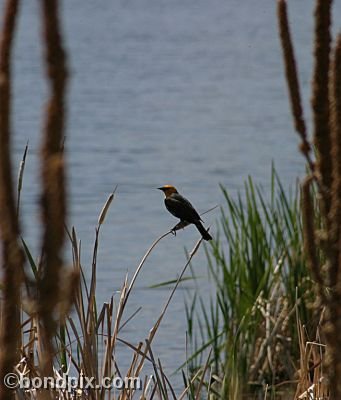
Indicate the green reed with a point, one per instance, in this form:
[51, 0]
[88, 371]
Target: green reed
[262, 290]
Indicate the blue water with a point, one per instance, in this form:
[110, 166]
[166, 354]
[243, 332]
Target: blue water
[190, 93]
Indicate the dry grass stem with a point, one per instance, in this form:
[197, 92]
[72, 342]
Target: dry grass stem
[21, 176]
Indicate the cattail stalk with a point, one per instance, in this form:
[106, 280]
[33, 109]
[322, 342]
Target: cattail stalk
[333, 322]
[310, 243]
[322, 247]
[320, 98]
[292, 80]
[12, 257]
[335, 128]
[53, 180]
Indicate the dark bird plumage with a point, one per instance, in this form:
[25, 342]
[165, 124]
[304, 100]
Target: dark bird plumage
[181, 208]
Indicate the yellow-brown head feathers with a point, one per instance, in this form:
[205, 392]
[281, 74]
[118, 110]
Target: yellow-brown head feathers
[168, 190]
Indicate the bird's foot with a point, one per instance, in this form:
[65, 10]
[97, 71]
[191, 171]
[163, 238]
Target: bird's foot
[173, 231]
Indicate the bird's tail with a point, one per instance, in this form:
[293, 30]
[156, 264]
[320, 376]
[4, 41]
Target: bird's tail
[204, 233]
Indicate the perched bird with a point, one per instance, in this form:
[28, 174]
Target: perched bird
[183, 209]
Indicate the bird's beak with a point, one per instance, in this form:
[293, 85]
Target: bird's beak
[160, 188]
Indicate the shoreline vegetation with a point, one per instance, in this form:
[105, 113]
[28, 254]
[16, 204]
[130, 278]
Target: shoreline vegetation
[262, 324]
[272, 328]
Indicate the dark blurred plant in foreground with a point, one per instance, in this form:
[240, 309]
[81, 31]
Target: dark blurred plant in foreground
[45, 293]
[321, 189]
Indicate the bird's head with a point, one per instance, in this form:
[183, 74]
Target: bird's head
[168, 190]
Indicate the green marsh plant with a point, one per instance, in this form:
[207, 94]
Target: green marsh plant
[263, 290]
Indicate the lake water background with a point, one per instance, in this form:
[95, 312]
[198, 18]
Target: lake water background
[190, 93]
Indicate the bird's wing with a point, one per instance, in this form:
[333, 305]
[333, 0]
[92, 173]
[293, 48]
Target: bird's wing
[181, 208]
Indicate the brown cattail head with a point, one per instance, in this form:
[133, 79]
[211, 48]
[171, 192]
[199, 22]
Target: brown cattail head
[320, 97]
[12, 256]
[292, 80]
[53, 202]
